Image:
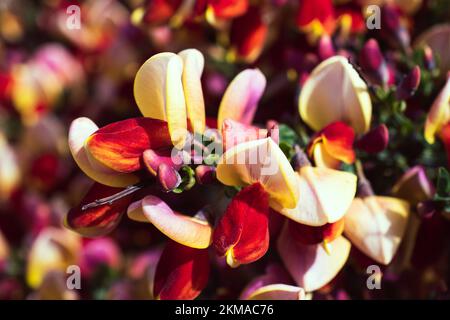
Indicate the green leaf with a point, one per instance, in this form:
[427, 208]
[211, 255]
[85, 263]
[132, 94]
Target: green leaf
[287, 135]
[443, 183]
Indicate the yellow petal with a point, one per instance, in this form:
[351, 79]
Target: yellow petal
[278, 292]
[10, 173]
[311, 266]
[4, 248]
[439, 113]
[335, 92]
[376, 226]
[158, 91]
[189, 231]
[325, 196]
[53, 250]
[260, 161]
[323, 159]
[175, 102]
[150, 84]
[241, 98]
[79, 131]
[193, 62]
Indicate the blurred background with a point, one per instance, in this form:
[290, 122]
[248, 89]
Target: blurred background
[60, 60]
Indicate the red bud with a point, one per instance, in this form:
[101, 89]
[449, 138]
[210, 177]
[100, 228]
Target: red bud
[374, 141]
[373, 63]
[409, 84]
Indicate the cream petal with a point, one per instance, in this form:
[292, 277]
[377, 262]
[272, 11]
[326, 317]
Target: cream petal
[260, 161]
[4, 248]
[278, 291]
[193, 62]
[241, 98]
[79, 131]
[438, 39]
[335, 92]
[311, 266]
[376, 226]
[53, 250]
[189, 231]
[175, 102]
[10, 173]
[150, 86]
[325, 196]
[158, 91]
[439, 113]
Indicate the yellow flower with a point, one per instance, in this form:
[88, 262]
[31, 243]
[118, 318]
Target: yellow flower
[335, 92]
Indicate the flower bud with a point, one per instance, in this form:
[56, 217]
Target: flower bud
[393, 29]
[205, 174]
[428, 57]
[373, 63]
[376, 140]
[168, 177]
[325, 47]
[409, 84]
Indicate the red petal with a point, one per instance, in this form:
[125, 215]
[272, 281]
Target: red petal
[338, 140]
[320, 10]
[182, 272]
[243, 232]
[101, 220]
[227, 9]
[159, 11]
[120, 145]
[304, 234]
[248, 34]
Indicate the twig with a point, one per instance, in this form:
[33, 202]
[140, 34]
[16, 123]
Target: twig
[117, 196]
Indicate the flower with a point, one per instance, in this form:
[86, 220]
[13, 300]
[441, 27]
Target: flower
[53, 250]
[439, 114]
[376, 226]
[333, 145]
[335, 92]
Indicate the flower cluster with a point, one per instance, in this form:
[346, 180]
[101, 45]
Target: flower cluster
[226, 149]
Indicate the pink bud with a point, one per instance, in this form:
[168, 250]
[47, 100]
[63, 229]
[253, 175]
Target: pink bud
[153, 160]
[273, 131]
[373, 63]
[409, 84]
[393, 29]
[168, 177]
[376, 140]
[205, 174]
[429, 62]
[325, 47]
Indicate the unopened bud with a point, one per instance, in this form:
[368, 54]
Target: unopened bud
[325, 47]
[205, 174]
[393, 28]
[373, 64]
[168, 177]
[428, 57]
[408, 86]
[152, 161]
[273, 131]
[376, 140]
